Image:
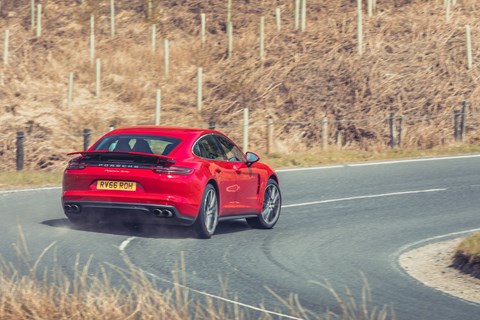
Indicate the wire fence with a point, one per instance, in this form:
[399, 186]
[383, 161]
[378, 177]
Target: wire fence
[47, 151]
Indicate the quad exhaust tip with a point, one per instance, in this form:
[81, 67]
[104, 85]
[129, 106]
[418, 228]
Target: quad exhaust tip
[165, 213]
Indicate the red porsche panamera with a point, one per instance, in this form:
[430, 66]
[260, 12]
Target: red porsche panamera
[193, 177]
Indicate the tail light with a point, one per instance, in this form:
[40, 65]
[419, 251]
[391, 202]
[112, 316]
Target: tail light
[76, 164]
[173, 170]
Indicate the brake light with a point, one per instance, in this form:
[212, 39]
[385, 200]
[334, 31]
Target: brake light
[76, 165]
[173, 170]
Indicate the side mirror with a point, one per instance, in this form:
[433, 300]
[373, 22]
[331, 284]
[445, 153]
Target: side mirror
[251, 158]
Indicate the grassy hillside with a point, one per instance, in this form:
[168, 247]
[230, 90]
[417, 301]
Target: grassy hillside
[414, 64]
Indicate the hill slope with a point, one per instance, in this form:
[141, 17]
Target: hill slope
[414, 64]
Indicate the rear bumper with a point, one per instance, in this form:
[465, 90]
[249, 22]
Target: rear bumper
[125, 212]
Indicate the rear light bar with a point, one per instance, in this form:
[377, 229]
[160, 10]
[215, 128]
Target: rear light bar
[173, 170]
[76, 165]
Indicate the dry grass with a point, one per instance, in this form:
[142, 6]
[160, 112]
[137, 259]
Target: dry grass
[28, 290]
[313, 157]
[414, 65]
[470, 246]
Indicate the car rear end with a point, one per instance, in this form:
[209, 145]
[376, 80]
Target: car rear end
[133, 184]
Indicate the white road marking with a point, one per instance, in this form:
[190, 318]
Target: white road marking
[412, 160]
[125, 243]
[310, 168]
[417, 243]
[363, 197]
[377, 163]
[273, 313]
[28, 190]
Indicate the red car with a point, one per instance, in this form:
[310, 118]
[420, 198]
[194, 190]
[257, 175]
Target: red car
[193, 177]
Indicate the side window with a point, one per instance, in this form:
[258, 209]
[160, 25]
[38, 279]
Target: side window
[207, 148]
[230, 149]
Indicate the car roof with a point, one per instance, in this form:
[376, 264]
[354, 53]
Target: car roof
[174, 132]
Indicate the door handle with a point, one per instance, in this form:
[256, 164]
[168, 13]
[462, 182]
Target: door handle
[238, 171]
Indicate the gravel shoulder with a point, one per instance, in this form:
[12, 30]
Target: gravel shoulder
[430, 265]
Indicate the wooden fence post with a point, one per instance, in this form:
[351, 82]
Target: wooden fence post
[92, 39]
[463, 118]
[230, 38]
[39, 21]
[154, 37]
[20, 150]
[303, 20]
[32, 14]
[166, 57]
[296, 15]
[359, 27]
[339, 138]
[456, 125]
[324, 133]
[400, 131]
[469, 47]
[203, 29]
[97, 77]
[278, 19]
[262, 38]
[112, 18]
[86, 138]
[392, 130]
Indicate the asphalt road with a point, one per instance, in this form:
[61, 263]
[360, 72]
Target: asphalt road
[343, 224]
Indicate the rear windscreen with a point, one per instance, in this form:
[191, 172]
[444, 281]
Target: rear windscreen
[138, 143]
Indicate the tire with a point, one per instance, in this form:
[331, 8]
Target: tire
[207, 219]
[272, 205]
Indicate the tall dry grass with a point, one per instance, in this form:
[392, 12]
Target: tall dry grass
[414, 65]
[30, 289]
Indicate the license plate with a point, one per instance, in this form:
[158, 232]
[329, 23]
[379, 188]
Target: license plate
[116, 185]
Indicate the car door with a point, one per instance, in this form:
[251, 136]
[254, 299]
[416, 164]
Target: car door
[223, 171]
[247, 178]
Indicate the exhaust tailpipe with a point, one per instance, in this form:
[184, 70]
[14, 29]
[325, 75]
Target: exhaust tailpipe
[159, 213]
[167, 213]
[72, 208]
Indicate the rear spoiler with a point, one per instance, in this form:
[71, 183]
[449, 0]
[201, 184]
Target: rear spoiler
[159, 157]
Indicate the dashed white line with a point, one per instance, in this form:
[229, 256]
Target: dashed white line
[362, 197]
[125, 243]
[28, 190]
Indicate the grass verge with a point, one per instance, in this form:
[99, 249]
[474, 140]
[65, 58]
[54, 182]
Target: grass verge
[12, 179]
[467, 256]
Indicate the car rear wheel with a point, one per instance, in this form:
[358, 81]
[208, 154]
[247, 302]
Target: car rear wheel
[272, 204]
[207, 219]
